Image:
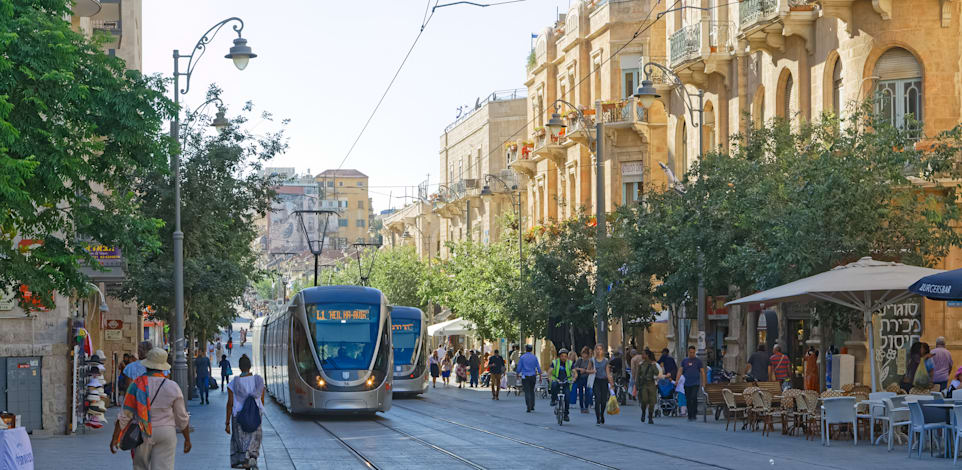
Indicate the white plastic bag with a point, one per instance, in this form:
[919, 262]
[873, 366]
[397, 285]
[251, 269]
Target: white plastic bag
[680, 385]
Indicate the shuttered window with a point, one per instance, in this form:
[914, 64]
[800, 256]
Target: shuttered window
[837, 87]
[899, 90]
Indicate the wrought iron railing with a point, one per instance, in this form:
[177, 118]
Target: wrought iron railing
[498, 95]
[754, 11]
[721, 34]
[685, 43]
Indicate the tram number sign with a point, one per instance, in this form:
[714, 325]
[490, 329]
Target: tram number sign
[338, 315]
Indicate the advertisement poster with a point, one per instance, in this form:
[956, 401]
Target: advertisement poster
[897, 327]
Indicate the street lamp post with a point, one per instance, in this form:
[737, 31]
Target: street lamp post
[646, 95]
[486, 191]
[240, 53]
[554, 125]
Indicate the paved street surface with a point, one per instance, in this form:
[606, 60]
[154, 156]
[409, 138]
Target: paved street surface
[451, 428]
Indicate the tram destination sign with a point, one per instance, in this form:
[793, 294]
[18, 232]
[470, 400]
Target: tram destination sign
[321, 314]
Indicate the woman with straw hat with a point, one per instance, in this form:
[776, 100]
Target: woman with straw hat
[156, 404]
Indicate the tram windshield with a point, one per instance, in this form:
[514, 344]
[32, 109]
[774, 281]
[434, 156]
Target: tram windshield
[405, 335]
[346, 334]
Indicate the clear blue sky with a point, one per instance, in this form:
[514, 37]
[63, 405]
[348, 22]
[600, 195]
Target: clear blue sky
[324, 64]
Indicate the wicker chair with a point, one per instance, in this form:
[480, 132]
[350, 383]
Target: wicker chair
[793, 408]
[894, 387]
[762, 402]
[813, 422]
[732, 410]
[751, 419]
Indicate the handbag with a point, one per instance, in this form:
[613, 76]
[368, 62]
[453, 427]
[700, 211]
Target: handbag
[922, 379]
[132, 435]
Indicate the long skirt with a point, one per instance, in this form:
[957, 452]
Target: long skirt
[245, 447]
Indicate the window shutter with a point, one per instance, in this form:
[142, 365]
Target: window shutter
[896, 64]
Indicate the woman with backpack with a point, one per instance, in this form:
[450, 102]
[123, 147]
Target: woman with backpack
[245, 404]
[225, 372]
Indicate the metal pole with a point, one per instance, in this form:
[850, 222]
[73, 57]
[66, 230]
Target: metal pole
[315, 270]
[702, 320]
[520, 264]
[601, 307]
[179, 372]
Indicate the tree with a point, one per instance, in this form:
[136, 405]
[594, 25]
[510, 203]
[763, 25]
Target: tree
[223, 192]
[80, 139]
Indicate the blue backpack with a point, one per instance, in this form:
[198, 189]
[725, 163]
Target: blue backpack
[249, 417]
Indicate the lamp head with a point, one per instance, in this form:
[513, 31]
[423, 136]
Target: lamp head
[646, 94]
[486, 190]
[240, 53]
[406, 235]
[220, 122]
[555, 124]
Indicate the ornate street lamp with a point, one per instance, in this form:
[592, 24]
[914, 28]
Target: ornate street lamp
[313, 233]
[240, 54]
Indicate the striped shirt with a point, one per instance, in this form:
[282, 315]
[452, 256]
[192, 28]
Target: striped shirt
[780, 365]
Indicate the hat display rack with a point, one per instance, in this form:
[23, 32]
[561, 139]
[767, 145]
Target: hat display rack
[89, 397]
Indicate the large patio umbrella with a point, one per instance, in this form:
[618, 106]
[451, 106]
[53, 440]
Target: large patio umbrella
[866, 285]
[946, 285]
[458, 326]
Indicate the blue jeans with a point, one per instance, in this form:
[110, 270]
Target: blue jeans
[203, 386]
[583, 392]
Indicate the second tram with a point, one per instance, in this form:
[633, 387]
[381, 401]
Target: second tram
[328, 352]
[409, 338]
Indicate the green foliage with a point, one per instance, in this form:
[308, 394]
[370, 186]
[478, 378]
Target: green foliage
[222, 194]
[532, 59]
[80, 139]
[787, 203]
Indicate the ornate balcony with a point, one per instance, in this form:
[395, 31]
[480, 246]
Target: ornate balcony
[764, 24]
[519, 157]
[685, 43]
[700, 49]
[549, 146]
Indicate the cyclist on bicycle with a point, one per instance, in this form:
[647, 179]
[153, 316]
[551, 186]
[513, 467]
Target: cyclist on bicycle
[561, 372]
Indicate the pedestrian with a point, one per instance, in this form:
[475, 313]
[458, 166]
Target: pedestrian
[604, 381]
[811, 369]
[779, 366]
[245, 391]
[646, 377]
[156, 405]
[955, 384]
[529, 370]
[912, 364]
[446, 365]
[942, 360]
[202, 371]
[495, 371]
[668, 363]
[230, 345]
[435, 367]
[474, 368]
[225, 372]
[219, 349]
[460, 374]
[210, 352]
[243, 336]
[441, 352]
[581, 366]
[758, 365]
[515, 354]
[694, 372]
[485, 373]
[560, 371]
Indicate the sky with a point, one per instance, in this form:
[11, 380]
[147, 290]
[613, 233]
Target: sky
[324, 64]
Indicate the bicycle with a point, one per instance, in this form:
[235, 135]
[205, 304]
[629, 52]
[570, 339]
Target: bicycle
[562, 399]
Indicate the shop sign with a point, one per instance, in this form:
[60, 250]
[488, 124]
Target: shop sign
[632, 168]
[113, 335]
[114, 324]
[954, 303]
[103, 252]
[896, 327]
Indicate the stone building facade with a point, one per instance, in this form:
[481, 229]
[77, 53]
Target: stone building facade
[416, 225]
[350, 188]
[761, 59]
[471, 158]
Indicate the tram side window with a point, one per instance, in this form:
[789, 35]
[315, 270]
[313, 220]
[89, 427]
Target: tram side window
[302, 352]
[385, 348]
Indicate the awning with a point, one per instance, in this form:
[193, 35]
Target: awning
[458, 326]
[866, 285]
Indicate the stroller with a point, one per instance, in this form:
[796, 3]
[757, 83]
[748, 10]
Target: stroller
[667, 399]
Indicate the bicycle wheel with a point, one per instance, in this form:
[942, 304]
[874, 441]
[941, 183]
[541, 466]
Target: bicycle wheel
[559, 411]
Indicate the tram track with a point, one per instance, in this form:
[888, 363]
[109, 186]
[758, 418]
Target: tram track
[364, 460]
[512, 439]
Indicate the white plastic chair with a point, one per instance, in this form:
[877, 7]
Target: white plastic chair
[876, 412]
[956, 430]
[838, 410]
[898, 415]
[957, 394]
[920, 427]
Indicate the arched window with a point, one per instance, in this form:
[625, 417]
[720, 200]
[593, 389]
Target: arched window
[784, 100]
[837, 87]
[899, 90]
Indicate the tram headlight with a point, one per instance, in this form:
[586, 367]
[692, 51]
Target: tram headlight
[320, 382]
[370, 381]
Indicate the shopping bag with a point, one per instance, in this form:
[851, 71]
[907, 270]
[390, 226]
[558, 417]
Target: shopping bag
[504, 381]
[212, 383]
[613, 407]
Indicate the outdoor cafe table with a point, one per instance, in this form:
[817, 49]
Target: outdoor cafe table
[949, 418]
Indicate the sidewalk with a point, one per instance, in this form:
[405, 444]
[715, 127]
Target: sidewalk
[210, 444]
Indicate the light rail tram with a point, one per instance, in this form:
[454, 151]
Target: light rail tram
[409, 339]
[328, 352]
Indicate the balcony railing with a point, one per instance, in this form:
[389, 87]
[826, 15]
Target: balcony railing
[751, 12]
[110, 26]
[685, 43]
[498, 95]
[721, 34]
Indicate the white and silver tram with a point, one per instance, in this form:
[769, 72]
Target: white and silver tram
[409, 339]
[329, 352]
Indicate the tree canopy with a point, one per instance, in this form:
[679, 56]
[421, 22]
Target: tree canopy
[80, 139]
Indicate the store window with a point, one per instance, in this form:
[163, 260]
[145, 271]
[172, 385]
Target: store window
[898, 95]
